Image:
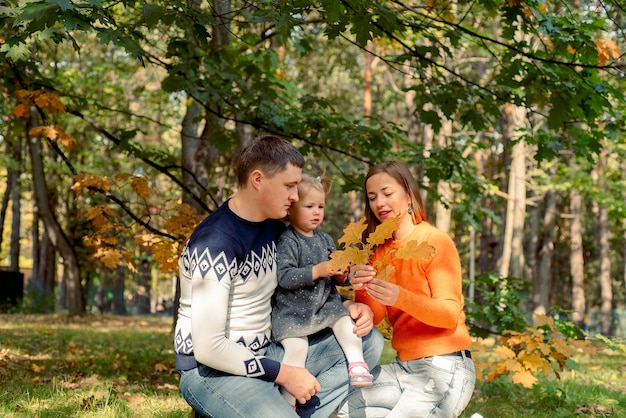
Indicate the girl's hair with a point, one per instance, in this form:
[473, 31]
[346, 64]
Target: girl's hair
[320, 183]
[269, 154]
[403, 176]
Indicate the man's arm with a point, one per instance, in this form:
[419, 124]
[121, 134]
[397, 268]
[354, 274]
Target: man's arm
[209, 307]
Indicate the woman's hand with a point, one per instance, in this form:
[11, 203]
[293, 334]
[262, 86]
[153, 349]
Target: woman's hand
[382, 291]
[360, 274]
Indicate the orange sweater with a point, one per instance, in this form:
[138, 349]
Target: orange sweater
[428, 317]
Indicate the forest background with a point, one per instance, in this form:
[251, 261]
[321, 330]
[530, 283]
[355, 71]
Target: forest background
[122, 121]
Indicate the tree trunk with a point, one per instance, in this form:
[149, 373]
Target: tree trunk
[15, 207]
[602, 229]
[71, 271]
[119, 285]
[444, 191]
[577, 263]
[543, 274]
[512, 259]
[606, 288]
[413, 124]
[143, 290]
[6, 197]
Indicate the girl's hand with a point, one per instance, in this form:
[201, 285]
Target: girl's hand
[362, 316]
[360, 274]
[323, 270]
[382, 291]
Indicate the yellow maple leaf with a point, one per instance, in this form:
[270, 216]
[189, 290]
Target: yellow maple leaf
[341, 259]
[532, 362]
[21, 111]
[66, 140]
[383, 231]
[607, 49]
[545, 320]
[49, 101]
[36, 368]
[525, 378]
[110, 257]
[513, 365]
[160, 367]
[141, 186]
[414, 251]
[562, 346]
[504, 352]
[353, 233]
[385, 272]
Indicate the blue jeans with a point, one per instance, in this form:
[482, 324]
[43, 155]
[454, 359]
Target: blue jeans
[221, 395]
[438, 386]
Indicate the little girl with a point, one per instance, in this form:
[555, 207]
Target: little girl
[306, 300]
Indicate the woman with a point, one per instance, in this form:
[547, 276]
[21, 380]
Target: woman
[433, 375]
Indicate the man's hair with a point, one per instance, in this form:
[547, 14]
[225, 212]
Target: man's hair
[267, 153]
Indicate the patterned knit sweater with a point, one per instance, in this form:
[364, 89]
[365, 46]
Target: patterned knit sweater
[428, 317]
[227, 278]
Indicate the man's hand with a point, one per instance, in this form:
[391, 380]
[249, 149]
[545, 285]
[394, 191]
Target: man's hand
[362, 316]
[297, 381]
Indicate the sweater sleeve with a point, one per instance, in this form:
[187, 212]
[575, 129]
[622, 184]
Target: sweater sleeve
[442, 307]
[292, 275]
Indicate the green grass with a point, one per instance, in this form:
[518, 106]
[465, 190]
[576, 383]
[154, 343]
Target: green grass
[112, 366]
[98, 366]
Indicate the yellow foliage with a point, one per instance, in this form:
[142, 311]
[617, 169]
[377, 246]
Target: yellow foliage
[140, 186]
[84, 181]
[21, 111]
[54, 133]
[383, 232]
[412, 249]
[353, 232]
[48, 101]
[607, 49]
[538, 349]
[524, 378]
[355, 252]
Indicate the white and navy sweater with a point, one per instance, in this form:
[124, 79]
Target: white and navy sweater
[227, 279]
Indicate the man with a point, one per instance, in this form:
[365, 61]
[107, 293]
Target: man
[229, 368]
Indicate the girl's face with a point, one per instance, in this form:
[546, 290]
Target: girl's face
[307, 213]
[387, 198]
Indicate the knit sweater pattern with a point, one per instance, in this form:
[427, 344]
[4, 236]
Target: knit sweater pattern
[227, 279]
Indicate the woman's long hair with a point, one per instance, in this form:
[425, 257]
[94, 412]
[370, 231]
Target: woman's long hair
[401, 173]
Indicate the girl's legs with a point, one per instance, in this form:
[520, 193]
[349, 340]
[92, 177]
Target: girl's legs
[296, 350]
[352, 346]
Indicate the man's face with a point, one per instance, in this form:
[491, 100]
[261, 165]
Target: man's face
[279, 192]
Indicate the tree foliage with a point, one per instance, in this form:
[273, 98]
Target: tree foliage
[112, 82]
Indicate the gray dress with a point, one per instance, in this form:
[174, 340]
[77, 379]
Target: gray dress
[302, 306]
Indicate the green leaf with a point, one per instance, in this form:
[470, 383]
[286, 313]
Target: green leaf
[16, 52]
[63, 4]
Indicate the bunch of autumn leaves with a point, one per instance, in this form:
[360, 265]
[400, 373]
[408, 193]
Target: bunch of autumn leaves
[357, 251]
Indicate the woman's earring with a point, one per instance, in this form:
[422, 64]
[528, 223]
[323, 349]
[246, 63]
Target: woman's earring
[410, 209]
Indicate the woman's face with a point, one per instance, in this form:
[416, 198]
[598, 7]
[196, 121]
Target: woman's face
[387, 198]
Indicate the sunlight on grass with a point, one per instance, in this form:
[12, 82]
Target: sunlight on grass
[111, 366]
[97, 366]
